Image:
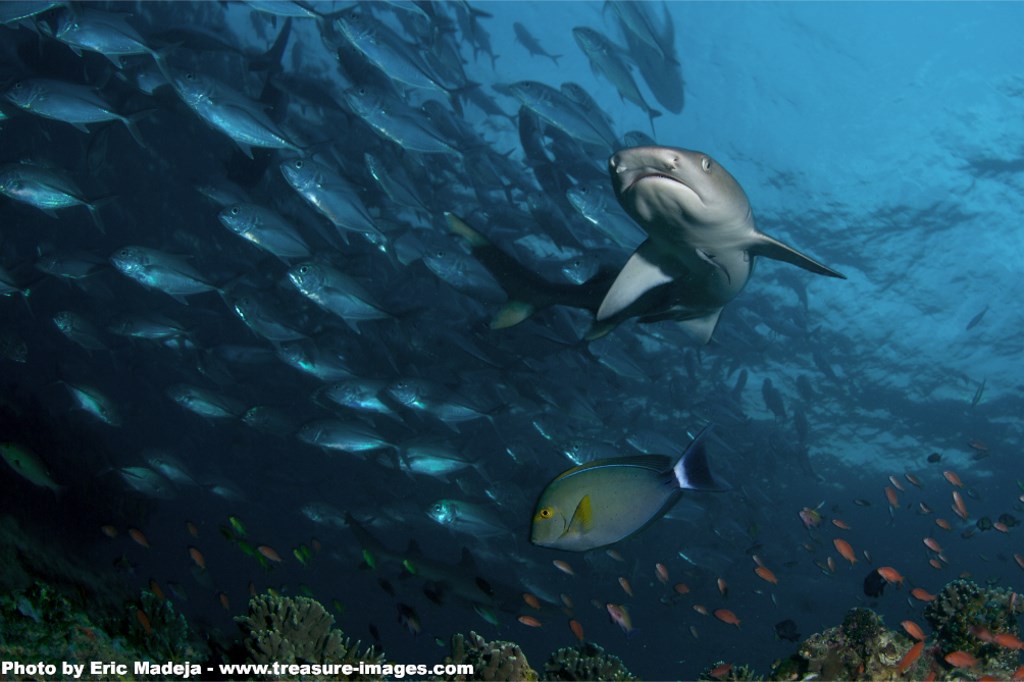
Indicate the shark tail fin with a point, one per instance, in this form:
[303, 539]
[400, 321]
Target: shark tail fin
[772, 248]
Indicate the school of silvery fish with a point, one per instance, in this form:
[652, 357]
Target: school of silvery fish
[432, 276]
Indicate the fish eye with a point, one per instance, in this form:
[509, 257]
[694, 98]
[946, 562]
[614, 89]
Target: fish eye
[545, 513]
[190, 76]
[298, 164]
[234, 210]
[705, 164]
[303, 269]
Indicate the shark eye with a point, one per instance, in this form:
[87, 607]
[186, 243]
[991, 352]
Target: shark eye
[705, 164]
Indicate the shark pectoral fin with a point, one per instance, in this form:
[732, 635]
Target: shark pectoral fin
[582, 518]
[764, 245]
[511, 314]
[640, 274]
[701, 328]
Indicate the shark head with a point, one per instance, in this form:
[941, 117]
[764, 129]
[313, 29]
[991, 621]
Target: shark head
[702, 240]
[678, 194]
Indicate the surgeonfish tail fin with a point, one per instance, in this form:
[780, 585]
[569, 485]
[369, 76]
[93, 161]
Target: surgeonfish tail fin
[692, 471]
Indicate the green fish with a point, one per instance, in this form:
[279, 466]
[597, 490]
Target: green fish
[604, 501]
[237, 524]
[29, 466]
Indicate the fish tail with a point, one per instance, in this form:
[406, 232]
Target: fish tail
[130, 122]
[692, 471]
[512, 313]
[459, 227]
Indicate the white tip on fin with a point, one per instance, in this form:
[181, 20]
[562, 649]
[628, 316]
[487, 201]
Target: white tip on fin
[640, 274]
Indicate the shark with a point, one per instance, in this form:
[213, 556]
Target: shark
[702, 241]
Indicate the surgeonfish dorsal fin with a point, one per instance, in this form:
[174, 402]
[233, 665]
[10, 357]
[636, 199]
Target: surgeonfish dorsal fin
[582, 518]
[763, 245]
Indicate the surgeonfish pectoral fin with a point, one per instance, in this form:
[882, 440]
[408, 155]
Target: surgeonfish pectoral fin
[692, 471]
[701, 328]
[582, 518]
[640, 274]
[764, 245]
[511, 314]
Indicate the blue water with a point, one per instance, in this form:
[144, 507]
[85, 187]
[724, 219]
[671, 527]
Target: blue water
[883, 139]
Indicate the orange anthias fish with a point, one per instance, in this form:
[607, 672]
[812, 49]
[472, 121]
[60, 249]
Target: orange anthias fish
[961, 659]
[197, 557]
[626, 587]
[662, 573]
[890, 495]
[910, 657]
[620, 615]
[192, 529]
[890, 574]
[683, 588]
[270, 553]
[109, 531]
[896, 483]
[922, 594]
[1005, 639]
[727, 616]
[933, 545]
[765, 573]
[958, 505]
[943, 524]
[839, 523]
[143, 619]
[577, 629]
[1019, 558]
[845, 550]
[720, 671]
[723, 587]
[914, 630]
[912, 479]
[530, 621]
[224, 601]
[953, 479]
[138, 537]
[563, 566]
[531, 600]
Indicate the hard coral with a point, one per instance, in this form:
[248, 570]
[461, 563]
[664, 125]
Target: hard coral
[964, 610]
[495, 660]
[585, 662]
[297, 630]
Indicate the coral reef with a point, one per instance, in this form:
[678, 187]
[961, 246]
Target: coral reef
[586, 662]
[157, 628]
[495, 660]
[727, 671]
[297, 630]
[40, 624]
[963, 609]
[860, 648]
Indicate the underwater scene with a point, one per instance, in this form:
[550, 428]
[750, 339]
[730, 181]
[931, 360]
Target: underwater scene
[569, 340]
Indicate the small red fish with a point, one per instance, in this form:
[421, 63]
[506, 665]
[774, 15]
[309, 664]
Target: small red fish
[839, 523]
[683, 588]
[933, 545]
[531, 600]
[766, 574]
[961, 659]
[626, 587]
[109, 531]
[138, 537]
[910, 657]
[958, 505]
[943, 524]
[914, 630]
[723, 587]
[143, 619]
[662, 573]
[921, 594]
[912, 479]
[154, 587]
[890, 574]
[563, 566]
[192, 529]
[224, 602]
[530, 621]
[845, 550]
[701, 609]
[890, 495]
[197, 557]
[620, 615]
[270, 553]
[896, 483]
[953, 479]
[727, 616]
[577, 629]
[720, 671]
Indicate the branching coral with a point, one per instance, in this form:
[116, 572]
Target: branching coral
[963, 611]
